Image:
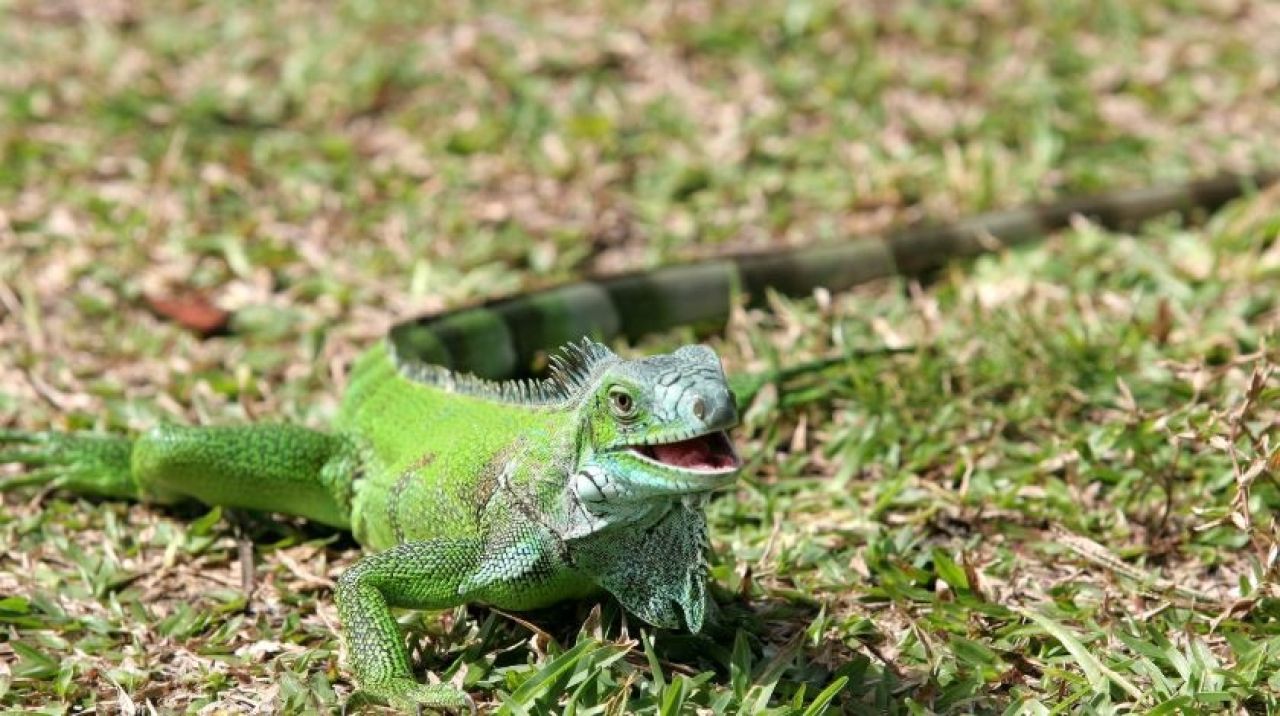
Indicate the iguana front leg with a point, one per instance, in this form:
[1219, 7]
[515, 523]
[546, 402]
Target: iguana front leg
[417, 575]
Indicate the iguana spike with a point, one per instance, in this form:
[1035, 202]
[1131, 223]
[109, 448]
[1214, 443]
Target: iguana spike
[574, 366]
[570, 371]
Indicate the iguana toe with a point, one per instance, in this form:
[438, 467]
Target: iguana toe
[409, 696]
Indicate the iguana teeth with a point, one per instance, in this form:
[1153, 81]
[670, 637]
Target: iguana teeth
[710, 453]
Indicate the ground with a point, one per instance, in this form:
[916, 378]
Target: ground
[1060, 499]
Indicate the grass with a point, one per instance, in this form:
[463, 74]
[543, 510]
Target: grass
[1062, 501]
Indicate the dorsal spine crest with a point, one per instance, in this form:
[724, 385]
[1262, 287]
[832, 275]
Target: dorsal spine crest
[572, 371]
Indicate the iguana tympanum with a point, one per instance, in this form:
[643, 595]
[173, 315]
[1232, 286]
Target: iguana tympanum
[522, 493]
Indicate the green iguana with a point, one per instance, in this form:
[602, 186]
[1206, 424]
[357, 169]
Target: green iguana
[522, 493]
[516, 494]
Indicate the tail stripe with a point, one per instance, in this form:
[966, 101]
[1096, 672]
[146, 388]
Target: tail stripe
[504, 338]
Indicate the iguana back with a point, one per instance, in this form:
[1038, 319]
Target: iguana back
[408, 424]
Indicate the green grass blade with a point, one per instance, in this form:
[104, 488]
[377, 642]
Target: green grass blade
[825, 697]
[557, 667]
[1094, 670]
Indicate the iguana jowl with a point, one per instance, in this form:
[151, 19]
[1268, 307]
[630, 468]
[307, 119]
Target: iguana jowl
[516, 494]
[522, 493]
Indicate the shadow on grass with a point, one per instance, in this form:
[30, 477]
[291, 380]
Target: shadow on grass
[746, 650]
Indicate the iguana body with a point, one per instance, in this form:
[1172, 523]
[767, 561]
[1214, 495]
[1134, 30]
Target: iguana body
[516, 495]
[520, 494]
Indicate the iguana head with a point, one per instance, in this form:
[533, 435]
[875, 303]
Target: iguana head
[657, 427]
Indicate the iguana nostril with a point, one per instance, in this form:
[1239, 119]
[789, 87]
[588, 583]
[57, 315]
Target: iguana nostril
[699, 408]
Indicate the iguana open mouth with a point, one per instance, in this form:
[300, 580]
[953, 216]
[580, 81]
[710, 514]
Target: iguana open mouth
[712, 452]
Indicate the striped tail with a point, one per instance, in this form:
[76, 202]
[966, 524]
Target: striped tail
[504, 338]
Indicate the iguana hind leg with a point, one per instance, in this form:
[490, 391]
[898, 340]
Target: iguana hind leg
[417, 575]
[277, 468]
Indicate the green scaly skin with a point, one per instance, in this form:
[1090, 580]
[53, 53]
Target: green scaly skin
[521, 494]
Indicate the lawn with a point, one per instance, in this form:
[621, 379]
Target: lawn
[1059, 498]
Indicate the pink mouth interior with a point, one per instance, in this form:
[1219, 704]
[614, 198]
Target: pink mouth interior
[705, 452]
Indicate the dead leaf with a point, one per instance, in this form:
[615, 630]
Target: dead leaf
[191, 310]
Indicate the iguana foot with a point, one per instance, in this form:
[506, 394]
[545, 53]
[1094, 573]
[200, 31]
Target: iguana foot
[410, 696]
[81, 462]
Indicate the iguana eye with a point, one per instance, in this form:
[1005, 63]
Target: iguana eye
[623, 405]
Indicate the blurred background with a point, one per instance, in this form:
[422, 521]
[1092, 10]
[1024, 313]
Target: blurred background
[290, 178]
